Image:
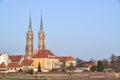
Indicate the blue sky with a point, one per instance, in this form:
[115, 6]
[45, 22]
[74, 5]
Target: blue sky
[88, 29]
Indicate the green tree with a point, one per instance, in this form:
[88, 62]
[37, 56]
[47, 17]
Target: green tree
[20, 70]
[100, 66]
[31, 71]
[93, 68]
[39, 67]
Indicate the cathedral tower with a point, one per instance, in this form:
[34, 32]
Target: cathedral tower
[29, 40]
[41, 37]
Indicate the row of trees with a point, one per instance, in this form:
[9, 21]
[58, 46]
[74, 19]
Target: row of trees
[113, 62]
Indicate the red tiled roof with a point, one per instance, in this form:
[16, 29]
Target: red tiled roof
[13, 65]
[2, 65]
[26, 62]
[15, 58]
[87, 63]
[44, 54]
[89, 66]
[66, 58]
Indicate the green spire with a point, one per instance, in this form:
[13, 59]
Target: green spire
[30, 23]
[41, 24]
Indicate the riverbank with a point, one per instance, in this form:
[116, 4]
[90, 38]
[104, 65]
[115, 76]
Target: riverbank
[67, 76]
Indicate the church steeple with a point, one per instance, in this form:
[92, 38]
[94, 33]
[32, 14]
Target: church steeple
[29, 40]
[41, 37]
[41, 24]
[30, 23]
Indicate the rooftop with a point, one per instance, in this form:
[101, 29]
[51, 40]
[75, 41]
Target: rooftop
[15, 58]
[13, 65]
[67, 58]
[44, 54]
[26, 62]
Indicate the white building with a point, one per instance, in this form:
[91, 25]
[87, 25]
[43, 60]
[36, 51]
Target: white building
[4, 58]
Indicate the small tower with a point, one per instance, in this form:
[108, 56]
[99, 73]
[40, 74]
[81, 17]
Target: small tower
[29, 40]
[41, 37]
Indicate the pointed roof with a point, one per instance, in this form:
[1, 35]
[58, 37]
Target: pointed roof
[30, 23]
[41, 24]
[26, 62]
[2, 65]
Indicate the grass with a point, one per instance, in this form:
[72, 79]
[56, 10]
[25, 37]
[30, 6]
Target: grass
[23, 79]
[18, 79]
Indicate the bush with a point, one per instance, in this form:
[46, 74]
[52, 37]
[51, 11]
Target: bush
[31, 71]
[20, 70]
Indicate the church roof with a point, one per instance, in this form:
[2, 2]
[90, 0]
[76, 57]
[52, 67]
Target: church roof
[15, 58]
[26, 62]
[44, 54]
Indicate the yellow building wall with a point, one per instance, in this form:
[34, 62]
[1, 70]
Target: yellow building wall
[69, 62]
[36, 62]
[46, 63]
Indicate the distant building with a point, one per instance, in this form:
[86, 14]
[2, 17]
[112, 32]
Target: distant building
[16, 58]
[47, 60]
[13, 67]
[4, 58]
[3, 67]
[27, 64]
[68, 60]
[15, 62]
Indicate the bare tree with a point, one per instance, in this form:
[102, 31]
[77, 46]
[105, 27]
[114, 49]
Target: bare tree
[115, 62]
[78, 62]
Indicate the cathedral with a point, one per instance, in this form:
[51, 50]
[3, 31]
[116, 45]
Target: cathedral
[42, 56]
[29, 50]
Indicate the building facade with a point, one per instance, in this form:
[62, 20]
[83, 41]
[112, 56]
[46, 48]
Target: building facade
[4, 58]
[46, 59]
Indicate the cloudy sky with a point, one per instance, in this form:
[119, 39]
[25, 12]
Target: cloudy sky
[88, 29]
